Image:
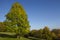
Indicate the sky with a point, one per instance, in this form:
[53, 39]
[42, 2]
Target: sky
[40, 13]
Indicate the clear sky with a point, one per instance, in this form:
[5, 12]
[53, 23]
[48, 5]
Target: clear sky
[40, 12]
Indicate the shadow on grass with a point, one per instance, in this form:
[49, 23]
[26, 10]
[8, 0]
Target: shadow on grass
[8, 36]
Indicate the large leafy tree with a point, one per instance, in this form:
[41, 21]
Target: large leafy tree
[18, 19]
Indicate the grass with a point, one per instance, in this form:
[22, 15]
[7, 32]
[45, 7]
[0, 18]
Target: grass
[9, 38]
[8, 33]
[11, 34]
[13, 38]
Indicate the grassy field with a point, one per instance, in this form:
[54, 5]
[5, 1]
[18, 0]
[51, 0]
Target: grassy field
[8, 33]
[13, 38]
[9, 38]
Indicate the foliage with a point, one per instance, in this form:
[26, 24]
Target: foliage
[47, 33]
[2, 27]
[17, 19]
[44, 33]
[57, 32]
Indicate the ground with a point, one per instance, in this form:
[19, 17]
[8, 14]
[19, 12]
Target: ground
[5, 36]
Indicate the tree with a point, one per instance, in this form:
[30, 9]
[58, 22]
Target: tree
[53, 35]
[57, 32]
[18, 18]
[33, 33]
[47, 33]
[40, 33]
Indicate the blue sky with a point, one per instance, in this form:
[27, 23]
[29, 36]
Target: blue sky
[40, 12]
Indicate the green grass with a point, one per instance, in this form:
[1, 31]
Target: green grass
[8, 33]
[18, 39]
[14, 38]
[7, 38]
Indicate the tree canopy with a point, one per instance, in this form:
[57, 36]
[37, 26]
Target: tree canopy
[18, 19]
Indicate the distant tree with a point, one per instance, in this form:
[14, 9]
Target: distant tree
[47, 33]
[33, 33]
[40, 33]
[57, 32]
[53, 35]
[43, 34]
[18, 18]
